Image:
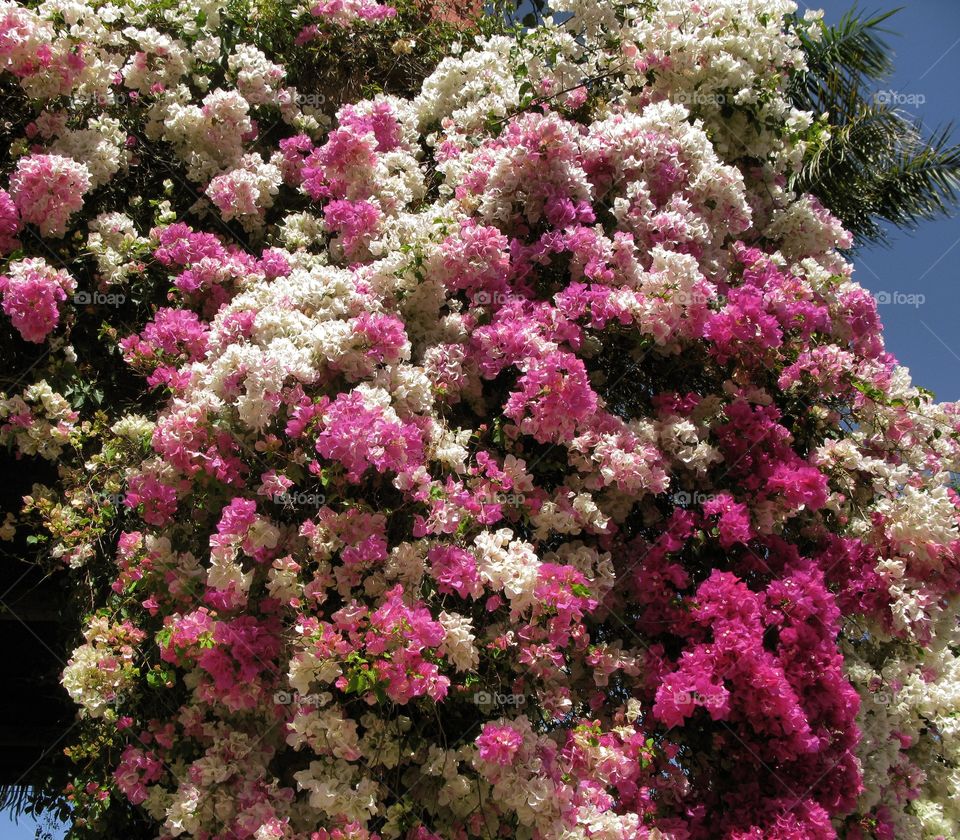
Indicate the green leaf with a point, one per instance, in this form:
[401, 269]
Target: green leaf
[874, 164]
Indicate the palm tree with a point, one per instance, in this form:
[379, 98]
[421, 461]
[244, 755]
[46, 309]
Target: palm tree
[877, 166]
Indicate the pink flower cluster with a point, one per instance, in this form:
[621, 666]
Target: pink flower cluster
[137, 769]
[47, 190]
[31, 51]
[173, 337]
[345, 12]
[359, 436]
[499, 743]
[209, 269]
[9, 224]
[32, 292]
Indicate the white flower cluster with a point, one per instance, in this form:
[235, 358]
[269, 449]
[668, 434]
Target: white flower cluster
[101, 146]
[102, 668]
[508, 564]
[116, 246]
[464, 92]
[910, 735]
[38, 422]
[258, 79]
[208, 137]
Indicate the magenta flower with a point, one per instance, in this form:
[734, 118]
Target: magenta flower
[32, 293]
[498, 743]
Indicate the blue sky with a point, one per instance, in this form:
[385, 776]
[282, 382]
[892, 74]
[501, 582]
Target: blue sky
[923, 336]
[24, 829]
[926, 262]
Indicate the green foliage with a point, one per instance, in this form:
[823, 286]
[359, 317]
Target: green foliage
[875, 164]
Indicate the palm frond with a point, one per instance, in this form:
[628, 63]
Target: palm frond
[15, 799]
[844, 57]
[876, 166]
[865, 139]
[922, 183]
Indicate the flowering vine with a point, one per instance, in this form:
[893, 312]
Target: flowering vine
[517, 457]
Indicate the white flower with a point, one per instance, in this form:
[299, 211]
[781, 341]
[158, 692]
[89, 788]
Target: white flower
[458, 645]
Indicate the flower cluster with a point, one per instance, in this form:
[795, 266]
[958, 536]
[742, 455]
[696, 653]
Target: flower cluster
[32, 292]
[103, 666]
[48, 189]
[37, 422]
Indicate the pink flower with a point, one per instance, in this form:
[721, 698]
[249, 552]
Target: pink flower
[9, 224]
[137, 769]
[379, 118]
[48, 190]
[32, 292]
[498, 743]
[293, 152]
[356, 221]
[345, 12]
[552, 398]
[455, 570]
[383, 336]
[734, 519]
[802, 485]
[359, 436]
[175, 335]
[159, 500]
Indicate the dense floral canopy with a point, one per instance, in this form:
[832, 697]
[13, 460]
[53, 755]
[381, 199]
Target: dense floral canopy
[513, 458]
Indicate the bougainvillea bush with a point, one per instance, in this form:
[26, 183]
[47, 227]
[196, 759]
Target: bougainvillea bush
[514, 457]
